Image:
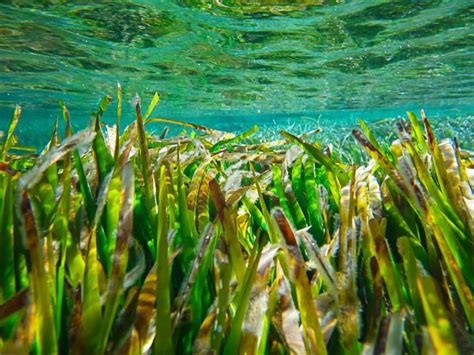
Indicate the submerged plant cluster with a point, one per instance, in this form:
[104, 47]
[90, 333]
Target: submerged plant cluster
[211, 243]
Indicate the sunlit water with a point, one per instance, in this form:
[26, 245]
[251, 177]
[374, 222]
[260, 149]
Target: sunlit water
[230, 64]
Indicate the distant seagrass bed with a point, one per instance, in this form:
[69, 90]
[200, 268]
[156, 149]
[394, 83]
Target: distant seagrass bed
[332, 127]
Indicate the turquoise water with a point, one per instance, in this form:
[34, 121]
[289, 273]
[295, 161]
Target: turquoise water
[231, 64]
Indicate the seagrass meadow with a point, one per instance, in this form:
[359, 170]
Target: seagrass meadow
[211, 242]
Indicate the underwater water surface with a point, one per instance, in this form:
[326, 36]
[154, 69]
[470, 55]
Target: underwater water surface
[230, 64]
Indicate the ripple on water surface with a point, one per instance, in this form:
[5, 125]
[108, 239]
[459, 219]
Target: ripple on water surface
[239, 57]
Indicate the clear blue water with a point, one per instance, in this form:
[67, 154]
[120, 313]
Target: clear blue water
[232, 64]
